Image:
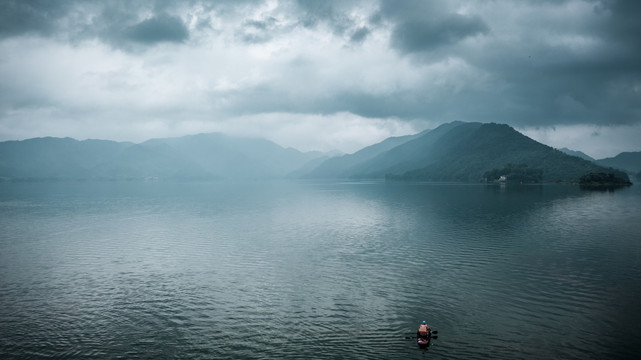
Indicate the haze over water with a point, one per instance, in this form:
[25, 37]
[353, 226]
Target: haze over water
[264, 270]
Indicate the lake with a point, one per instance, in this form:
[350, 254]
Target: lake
[288, 269]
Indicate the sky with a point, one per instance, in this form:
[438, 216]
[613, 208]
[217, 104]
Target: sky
[322, 75]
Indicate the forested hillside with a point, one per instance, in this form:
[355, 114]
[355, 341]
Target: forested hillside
[473, 152]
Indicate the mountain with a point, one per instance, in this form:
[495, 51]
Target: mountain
[203, 156]
[470, 152]
[236, 157]
[55, 158]
[458, 151]
[426, 149]
[341, 166]
[628, 161]
[580, 154]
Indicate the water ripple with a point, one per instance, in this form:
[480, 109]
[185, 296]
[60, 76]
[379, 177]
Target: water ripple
[318, 271]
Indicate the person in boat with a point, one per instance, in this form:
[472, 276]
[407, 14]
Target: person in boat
[423, 330]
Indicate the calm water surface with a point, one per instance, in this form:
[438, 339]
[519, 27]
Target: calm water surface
[318, 270]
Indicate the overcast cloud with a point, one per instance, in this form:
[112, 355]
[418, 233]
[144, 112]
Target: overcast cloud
[322, 74]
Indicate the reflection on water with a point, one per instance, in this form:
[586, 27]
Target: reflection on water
[317, 270]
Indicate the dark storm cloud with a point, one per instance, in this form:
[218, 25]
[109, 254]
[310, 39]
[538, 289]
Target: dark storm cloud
[161, 28]
[359, 35]
[594, 77]
[123, 27]
[334, 13]
[257, 31]
[314, 12]
[261, 24]
[550, 65]
[419, 26]
[114, 22]
[624, 23]
[620, 28]
[427, 34]
[31, 16]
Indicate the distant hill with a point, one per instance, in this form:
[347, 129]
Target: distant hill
[55, 158]
[628, 161]
[341, 166]
[580, 154]
[458, 151]
[204, 156]
[469, 152]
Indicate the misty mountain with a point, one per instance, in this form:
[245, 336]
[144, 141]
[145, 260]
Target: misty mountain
[580, 154]
[235, 157]
[55, 158]
[342, 166]
[628, 161]
[203, 156]
[457, 151]
[468, 152]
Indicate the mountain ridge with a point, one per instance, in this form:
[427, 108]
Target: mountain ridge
[456, 151]
[202, 156]
[629, 161]
[335, 167]
[472, 151]
[580, 154]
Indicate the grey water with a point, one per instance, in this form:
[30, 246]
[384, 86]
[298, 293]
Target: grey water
[328, 270]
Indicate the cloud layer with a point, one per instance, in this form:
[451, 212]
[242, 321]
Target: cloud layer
[134, 70]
